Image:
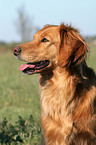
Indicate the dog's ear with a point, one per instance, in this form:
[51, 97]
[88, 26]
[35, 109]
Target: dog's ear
[72, 49]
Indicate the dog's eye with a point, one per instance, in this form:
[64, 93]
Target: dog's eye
[44, 40]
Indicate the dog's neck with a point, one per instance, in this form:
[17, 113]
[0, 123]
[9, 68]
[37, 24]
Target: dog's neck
[57, 89]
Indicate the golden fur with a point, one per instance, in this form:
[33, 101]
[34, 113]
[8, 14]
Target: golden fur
[68, 86]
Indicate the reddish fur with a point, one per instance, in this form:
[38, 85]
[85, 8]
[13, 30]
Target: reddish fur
[68, 87]
[72, 48]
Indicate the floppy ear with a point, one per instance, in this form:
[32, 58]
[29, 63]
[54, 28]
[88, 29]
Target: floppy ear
[72, 50]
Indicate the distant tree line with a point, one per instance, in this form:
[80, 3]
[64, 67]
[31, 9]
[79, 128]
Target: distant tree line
[91, 40]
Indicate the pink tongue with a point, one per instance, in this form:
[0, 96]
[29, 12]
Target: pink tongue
[24, 66]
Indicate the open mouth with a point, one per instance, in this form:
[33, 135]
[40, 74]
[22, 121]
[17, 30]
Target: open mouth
[31, 68]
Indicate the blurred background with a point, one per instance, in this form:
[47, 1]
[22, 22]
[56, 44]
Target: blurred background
[19, 94]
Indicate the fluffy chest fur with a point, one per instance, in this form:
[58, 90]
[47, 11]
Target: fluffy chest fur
[56, 94]
[56, 113]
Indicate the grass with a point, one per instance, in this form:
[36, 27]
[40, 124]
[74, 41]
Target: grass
[19, 94]
[16, 90]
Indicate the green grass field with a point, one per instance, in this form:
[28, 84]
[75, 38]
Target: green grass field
[19, 94]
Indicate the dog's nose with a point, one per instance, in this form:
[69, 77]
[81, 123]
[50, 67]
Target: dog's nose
[17, 50]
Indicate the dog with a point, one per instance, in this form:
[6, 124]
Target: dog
[68, 85]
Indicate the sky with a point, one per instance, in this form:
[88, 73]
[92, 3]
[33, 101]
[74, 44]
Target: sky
[80, 13]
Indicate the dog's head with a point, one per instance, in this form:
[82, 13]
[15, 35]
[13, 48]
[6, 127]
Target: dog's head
[52, 46]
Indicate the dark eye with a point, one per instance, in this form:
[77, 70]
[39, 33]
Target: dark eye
[44, 40]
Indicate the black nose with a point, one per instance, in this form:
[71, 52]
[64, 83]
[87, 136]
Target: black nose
[17, 50]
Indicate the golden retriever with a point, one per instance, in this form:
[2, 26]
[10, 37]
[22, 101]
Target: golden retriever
[68, 85]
